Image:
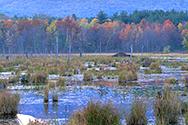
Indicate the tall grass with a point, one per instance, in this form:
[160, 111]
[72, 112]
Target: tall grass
[137, 115]
[167, 108]
[186, 81]
[39, 78]
[154, 68]
[96, 114]
[127, 73]
[8, 105]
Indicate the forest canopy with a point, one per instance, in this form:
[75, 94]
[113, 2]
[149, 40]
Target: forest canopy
[144, 31]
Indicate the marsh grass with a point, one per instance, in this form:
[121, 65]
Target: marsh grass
[8, 105]
[186, 118]
[88, 76]
[170, 81]
[137, 115]
[127, 73]
[154, 68]
[39, 78]
[167, 108]
[96, 114]
[186, 81]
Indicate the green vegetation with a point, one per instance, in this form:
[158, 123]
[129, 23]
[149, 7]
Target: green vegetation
[184, 67]
[61, 83]
[137, 116]
[39, 78]
[166, 49]
[8, 105]
[146, 62]
[186, 118]
[96, 114]
[88, 76]
[154, 68]
[170, 81]
[186, 81]
[167, 108]
[127, 73]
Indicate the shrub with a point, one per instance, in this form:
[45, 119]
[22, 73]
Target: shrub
[14, 80]
[1, 68]
[184, 107]
[88, 76]
[186, 81]
[154, 68]
[137, 116]
[166, 49]
[167, 108]
[184, 67]
[25, 78]
[170, 81]
[186, 118]
[96, 114]
[61, 82]
[39, 78]
[128, 76]
[8, 104]
[3, 83]
[146, 62]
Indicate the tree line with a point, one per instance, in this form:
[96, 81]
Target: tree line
[99, 34]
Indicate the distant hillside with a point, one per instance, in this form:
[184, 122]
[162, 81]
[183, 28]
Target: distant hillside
[84, 8]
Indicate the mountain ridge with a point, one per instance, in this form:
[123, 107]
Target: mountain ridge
[85, 8]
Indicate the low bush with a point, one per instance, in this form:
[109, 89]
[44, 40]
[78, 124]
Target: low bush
[127, 76]
[61, 82]
[167, 108]
[1, 68]
[88, 76]
[127, 73]
[184, 67]
[186, 118]
[14, 80]
[186, 81]
[25, 79]
[8, 105]
[96, 114]
[146, 62]
[3, 83]
[137, 116]
[170, 81]
[39, 78]
[154, 68]
[184, 107]
[166, 49]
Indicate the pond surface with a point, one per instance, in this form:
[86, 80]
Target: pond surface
[75, 98]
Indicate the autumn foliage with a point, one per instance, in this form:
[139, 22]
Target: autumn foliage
[83, 35]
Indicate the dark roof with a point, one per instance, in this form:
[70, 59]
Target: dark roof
[121, 54]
